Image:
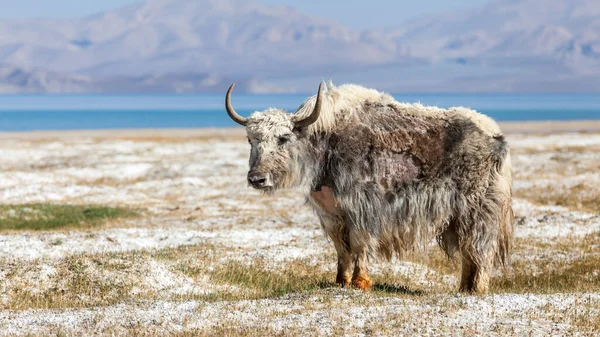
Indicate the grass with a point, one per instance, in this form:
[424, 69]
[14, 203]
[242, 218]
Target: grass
[580, 197]
[228, 331]
[53, 216]
[231, 275]
[108, 279]
[88, 281]
[549, 274]
[564, 163]
[580, 275]
[296, 277]
[254, 277]
[79, 281]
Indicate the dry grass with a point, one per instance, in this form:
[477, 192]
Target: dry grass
[79, 281]
[113, 182]
[571, 265]
[229, 331]
[578, 276]
[213, 331]
[107, 279]
[587, 317]
[559, 164]
[82, 281]
[580, 197]
[558, 149]
[296, 277]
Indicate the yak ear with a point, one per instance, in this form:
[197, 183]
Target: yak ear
[300, 131]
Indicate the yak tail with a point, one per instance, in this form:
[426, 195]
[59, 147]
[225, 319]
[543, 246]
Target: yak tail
[504, 188]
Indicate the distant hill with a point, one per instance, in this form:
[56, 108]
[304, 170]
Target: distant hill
[564, 32]
[17, 80]
[202, 45]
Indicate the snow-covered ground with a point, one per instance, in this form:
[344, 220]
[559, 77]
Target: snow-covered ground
[192, 193]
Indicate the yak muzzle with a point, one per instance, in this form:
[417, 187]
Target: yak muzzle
[260, 180]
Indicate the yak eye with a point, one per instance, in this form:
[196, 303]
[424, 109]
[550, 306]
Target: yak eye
[282, 139]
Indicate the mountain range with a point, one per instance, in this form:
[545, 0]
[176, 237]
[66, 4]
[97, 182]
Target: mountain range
[204, 45]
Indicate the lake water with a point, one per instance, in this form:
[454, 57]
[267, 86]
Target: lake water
[70, 112]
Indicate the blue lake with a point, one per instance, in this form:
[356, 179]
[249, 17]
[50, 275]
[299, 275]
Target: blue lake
[70, 112]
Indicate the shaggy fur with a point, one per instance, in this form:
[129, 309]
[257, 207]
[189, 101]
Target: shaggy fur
[386, 177]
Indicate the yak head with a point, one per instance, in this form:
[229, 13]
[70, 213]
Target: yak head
[278, 144]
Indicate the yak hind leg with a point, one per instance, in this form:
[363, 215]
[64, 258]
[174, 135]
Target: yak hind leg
[475, 276]
[474, 271]
[449, 240]
[478, 251]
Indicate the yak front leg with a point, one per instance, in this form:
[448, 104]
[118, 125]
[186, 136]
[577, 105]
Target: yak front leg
[333, 223]
[338, 233]
[360, 277]
[344, 267]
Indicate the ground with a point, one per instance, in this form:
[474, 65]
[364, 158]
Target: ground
[156, 233]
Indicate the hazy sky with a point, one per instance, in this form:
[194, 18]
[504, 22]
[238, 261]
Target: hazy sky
[358, 14]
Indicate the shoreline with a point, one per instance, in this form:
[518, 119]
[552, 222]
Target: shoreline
[526, 127]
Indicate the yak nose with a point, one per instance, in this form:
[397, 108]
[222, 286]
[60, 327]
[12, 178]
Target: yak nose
[258, 180]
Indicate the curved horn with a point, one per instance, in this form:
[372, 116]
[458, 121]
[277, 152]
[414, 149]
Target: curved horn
[315, 113]
[230, 111]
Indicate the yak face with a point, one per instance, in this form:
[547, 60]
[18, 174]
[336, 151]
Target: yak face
[276, 144]
[275, 147]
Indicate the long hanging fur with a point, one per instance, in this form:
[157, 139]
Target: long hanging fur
[401, 175]
[415, 211]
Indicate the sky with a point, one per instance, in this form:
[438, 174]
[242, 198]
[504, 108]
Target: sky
[357, 14]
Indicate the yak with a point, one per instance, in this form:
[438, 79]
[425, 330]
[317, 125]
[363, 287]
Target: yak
[386, 177]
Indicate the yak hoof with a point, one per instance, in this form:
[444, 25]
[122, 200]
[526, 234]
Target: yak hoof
[362, 283]
[342, 281]
[474, 290]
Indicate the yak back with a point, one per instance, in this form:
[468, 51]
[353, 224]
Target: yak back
[388, 147]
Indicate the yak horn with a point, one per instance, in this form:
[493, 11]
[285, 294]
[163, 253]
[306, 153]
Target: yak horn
[230, 111]
[314, 116]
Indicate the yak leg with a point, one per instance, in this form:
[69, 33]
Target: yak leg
[478, 247]
[344, 266]
[475, 277]
[477, 264]
[360, 277]
[335, 227]
[338, 233]
[449, 240]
